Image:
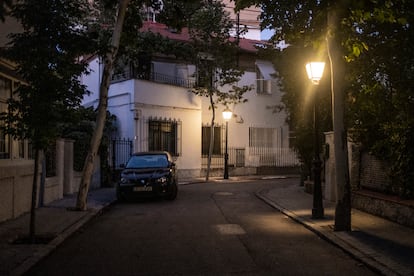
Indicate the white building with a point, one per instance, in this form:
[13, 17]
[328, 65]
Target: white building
[157, 111]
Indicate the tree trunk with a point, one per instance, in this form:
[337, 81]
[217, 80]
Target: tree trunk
[32, 228]
[343, 205]
[210, 149]
[109, 59]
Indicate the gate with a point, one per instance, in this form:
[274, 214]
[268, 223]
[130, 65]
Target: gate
[120, 151]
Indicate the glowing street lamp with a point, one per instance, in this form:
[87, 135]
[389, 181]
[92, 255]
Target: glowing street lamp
[315, 72]
[227, 114]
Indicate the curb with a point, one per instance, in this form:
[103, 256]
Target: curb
[60, 238]
[360, 252]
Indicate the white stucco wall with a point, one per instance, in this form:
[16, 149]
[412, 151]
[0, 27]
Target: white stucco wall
[162, 101]
[254, 113]
[134, 102]
[121, 104]
[148, 92]
[9, 26]
[92, 81]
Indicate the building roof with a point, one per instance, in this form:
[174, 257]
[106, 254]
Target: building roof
[248, 45]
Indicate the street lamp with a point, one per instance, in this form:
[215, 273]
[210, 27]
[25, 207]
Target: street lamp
[315, 72]
[227, 114]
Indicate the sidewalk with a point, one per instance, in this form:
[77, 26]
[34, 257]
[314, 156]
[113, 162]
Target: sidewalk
[380, 244]
[384, 246]
[52, 221]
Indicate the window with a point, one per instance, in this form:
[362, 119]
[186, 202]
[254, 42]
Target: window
[264, 72]
[264, 137]
[263, 86]
[205, 139]
[206, 75]
[164, 135]
[5, 94]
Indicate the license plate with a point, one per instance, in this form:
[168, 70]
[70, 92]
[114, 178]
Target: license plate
[143, 189]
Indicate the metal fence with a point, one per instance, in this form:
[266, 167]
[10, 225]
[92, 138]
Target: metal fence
[254, 157]
[272, 157]
[236, 159]
[155, 77]
[120, 150]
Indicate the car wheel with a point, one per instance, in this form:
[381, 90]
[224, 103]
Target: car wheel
[174, 191]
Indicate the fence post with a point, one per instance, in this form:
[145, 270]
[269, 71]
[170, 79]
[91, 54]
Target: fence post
[131, 147]
[113, 153]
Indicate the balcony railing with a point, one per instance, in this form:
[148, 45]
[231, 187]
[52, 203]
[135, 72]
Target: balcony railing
[155, 77]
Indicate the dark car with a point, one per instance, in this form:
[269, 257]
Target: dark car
[148, 174]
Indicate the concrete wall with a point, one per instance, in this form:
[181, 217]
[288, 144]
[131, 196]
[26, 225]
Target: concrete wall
[329, 170]
[368, 179]
[53, 186]
[330, 182]
[16, 181]
[385, 206]
[373, 173]
[365, 171]
[16, 178]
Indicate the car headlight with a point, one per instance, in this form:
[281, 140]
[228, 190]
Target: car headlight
[124, 180]
[162, 180]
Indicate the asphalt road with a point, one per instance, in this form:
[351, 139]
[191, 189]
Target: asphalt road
[210, 229]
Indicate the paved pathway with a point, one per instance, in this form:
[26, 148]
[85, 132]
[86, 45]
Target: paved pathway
[381, 244]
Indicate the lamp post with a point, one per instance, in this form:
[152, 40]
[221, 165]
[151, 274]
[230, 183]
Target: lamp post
[315, 72]
[227, 114]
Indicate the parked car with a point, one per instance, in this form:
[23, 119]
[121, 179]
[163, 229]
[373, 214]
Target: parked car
[148, 174]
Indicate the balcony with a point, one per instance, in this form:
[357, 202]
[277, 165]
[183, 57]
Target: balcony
[154, 77]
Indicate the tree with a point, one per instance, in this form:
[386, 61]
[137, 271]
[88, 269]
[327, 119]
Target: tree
[216, 57]
[109, 60]
[307, 24]
[347, 31]
[381, 93]
[46, 55]
[80, 131]
[127, 11]
[335, 53]
[211, 49]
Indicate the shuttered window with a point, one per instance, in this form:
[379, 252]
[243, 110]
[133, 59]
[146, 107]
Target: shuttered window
[206, 137]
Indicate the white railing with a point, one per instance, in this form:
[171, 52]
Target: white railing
[271, 157]
[255, 157]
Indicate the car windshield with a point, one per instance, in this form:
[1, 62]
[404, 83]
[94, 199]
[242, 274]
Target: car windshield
[147, 161]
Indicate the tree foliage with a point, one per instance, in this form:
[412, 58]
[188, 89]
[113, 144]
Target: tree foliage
[216, 57]
[216, 54]
[376, 39]
[298, 101]
[210, 47]
[45, 54]
[381, 88]
[80, 129]
[109, 58]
